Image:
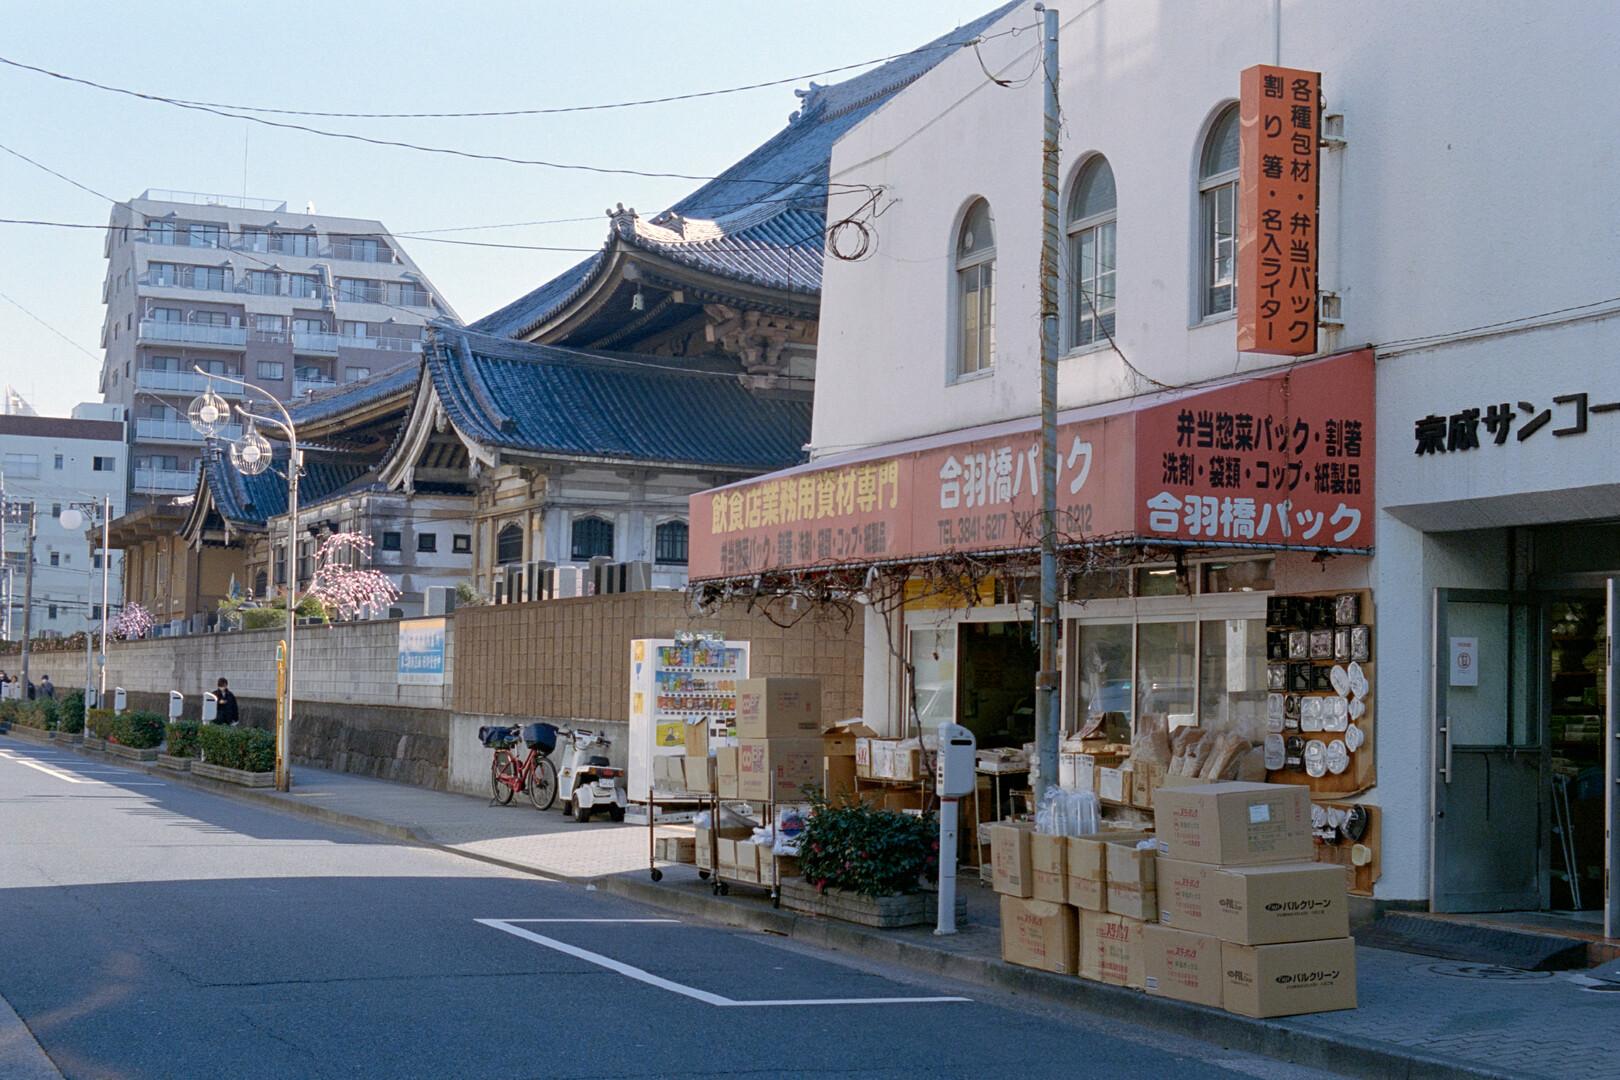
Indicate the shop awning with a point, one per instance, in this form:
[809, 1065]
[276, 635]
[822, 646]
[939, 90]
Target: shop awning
[1282, 460]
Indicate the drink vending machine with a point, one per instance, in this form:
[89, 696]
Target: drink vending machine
[674, 682]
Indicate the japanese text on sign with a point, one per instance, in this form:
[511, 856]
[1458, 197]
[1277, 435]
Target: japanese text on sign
[1459, 431]
[1277, 211]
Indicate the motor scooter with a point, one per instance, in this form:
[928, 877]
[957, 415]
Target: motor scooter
[586, 783]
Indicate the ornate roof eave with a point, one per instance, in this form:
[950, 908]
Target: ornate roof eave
[427, 418]
[665, 271]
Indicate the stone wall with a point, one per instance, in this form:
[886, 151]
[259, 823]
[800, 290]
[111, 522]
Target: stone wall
[349, 712]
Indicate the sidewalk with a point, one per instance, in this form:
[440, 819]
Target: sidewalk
[1418, 1016]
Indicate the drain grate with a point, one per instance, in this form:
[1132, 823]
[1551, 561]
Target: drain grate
[1493, 972]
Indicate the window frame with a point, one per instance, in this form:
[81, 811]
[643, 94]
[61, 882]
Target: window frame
[1075, 232]
[511, 532]
[427, 543]
[587, 523]
[979, 264]
[461, 543]
[391, 540]
[678, 551]
[1212, 188]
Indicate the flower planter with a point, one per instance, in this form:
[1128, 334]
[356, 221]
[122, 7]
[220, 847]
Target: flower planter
[30, 734]
[884, 912]
[129, 753]
[178, 764]
[233, 776]
[65, 738]
[93, 743]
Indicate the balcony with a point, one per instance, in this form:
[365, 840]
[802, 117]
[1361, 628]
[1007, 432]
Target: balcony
[315, 344]
[179, 432]
[164, 481]
[213, 337]
[309, 386]
[182, 382]
[199, 198]
[405, 345]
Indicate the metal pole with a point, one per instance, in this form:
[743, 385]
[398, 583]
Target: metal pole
[106, 568]
[28, 597]
[1047, 701]
[284, 717]
[945, 916]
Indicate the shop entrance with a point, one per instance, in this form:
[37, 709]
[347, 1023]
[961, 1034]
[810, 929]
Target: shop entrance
[1523, 752]
[996, 682]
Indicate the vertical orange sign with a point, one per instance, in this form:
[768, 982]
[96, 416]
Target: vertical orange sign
[1277, 210]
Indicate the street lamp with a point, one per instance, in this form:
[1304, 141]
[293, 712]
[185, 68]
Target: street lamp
[209, 413]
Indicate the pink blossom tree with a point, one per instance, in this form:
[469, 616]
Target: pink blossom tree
[133, 622]
[342, 587]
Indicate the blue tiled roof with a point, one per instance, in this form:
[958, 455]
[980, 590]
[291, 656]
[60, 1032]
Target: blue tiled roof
[249, 501]
[329, 403]
[770, 207]
[545, 399]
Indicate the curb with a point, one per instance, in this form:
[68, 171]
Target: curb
[1345, 1055]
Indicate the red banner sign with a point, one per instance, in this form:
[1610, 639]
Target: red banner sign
[1277, 210]
[1283, 460]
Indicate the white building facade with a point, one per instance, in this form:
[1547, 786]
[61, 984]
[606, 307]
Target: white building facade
[59, 464]
[934, 337]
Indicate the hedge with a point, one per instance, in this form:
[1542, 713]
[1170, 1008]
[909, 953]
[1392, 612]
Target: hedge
[249, 749]
[183, 738]
[101, 722]
[40, 714]
[139, 729]
[865, 850]
[70, 716]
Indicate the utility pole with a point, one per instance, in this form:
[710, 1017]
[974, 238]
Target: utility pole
[1047, 699]
[106, 568]
[28, 596]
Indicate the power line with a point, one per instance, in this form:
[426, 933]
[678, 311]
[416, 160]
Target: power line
[49, 327]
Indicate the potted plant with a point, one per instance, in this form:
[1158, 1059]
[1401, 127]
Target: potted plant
[136, 735]
[864, 865]
[245, 756]
[181, 745]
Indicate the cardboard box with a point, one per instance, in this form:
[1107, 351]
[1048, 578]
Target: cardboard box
[1039, 934]
[863, 757]
[697, 737]
[698, 773]
[1049, 867]
[1013, 871]
[704, 842]
[777, 769]
[1255, 905]
[839, 740]
[907, 760]
[678, 849]
[1088, 867]
[1132, 885]
[838, 777]
[1182, 965]
[1111, 949]
[903, 799]
[725, 772]
[1234, 824]
[1078, 772]
[1285, 980]
[1114, 785]
[667, 772]
[1145, 780]
[726, 856]
[778, 708]
[882, 759]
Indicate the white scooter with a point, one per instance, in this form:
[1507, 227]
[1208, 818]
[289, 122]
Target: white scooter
[586, 783]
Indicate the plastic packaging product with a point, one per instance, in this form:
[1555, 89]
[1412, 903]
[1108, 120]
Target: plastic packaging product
[701, 819]
[1068, 813]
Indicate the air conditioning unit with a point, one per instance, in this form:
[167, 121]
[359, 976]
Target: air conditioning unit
[512, 580]
[620, 577]
[438, 600]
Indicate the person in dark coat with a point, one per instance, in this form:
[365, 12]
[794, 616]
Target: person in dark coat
[47, 689]
[227, 703]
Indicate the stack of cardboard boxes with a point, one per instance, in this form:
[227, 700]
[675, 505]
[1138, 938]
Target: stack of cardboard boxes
[1219, 905]
[1247, 921]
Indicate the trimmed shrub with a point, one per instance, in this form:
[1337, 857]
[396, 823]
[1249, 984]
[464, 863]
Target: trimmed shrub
[14, 711]
[867, 851]
[48, 712]
[71, 712]
[101, 722]
[183, 738]
[139, 729]
[248, 749]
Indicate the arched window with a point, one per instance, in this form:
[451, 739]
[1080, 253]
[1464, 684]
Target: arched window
[1091, 253]
[592, 537]
[261, 585]
[509, 544]
[1217, 210]
[975, 291]
[670, 546]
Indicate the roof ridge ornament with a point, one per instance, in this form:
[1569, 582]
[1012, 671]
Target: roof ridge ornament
[624, 221]
[809, 99]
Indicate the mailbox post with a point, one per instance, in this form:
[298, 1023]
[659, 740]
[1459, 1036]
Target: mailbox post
[955, 778]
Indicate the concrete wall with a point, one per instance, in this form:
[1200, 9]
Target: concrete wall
[350, 713]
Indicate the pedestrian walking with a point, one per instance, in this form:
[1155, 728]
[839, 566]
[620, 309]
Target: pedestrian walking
[47, 689]
[226, 713]
[33, 691]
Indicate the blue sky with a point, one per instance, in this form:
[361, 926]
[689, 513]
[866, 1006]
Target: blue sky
[402, 56]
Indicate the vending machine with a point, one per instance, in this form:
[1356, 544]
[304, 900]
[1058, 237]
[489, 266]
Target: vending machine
[675, 681]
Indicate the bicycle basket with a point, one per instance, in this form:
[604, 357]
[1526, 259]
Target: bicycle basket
[497, 738]
[541, 737]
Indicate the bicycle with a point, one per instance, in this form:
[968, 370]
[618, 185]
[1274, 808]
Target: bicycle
[533, 773]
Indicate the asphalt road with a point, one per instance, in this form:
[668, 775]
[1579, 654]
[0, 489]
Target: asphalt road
[149, 931]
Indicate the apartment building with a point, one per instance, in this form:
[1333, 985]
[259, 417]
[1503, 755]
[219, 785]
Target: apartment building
[293, 303]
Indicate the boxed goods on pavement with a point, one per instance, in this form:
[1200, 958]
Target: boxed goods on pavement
[907, 760]
[697, 737]
[1114, 785]
[1132, 885]
[1087, 868]
[1039, 934]
[1234, 824]
[779, 708]
[839, 740]
[667, 772]
[1077, 771]
[777, 768]
[1255, 905]
[882, 759]
[705, 857]
[1288, 979]
[725, 772]
[1011, 865]
[1049, 867]
[726, 856]
[838, 777]
[698, 773]
[681, 849]
[863, 757]
[1182, 965]
[1111, 949]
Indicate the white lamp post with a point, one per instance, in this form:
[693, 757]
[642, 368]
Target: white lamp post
[250, 454]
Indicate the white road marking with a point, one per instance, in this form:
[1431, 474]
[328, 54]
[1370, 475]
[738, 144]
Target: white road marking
[47, 769]
[639, 975]
[41, 763]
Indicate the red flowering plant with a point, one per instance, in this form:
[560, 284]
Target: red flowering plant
[342, 587]
[868, 851]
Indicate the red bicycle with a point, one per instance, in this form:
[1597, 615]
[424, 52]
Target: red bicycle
[533, 773]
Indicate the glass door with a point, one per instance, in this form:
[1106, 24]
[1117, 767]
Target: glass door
[1490, 761]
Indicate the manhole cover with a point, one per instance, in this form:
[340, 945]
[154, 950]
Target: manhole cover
[1494, 972]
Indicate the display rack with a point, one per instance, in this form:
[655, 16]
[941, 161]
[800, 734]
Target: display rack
[718, 881]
